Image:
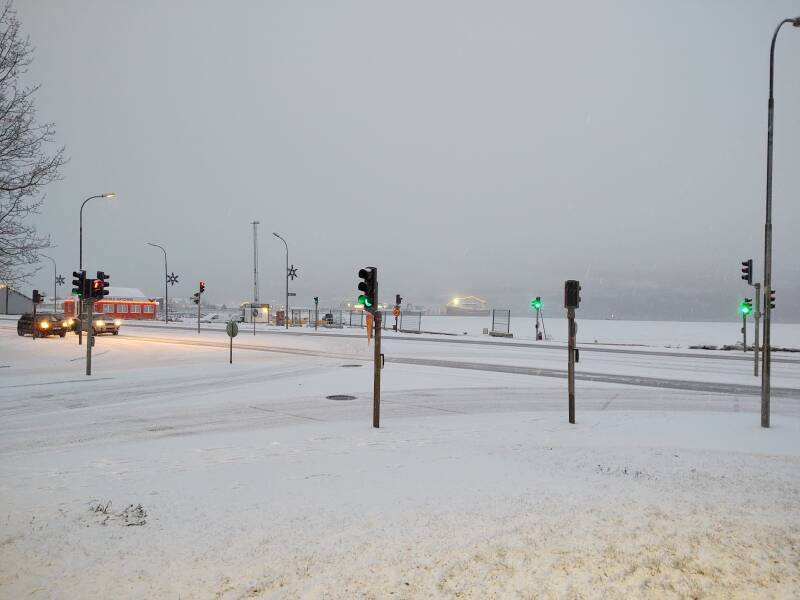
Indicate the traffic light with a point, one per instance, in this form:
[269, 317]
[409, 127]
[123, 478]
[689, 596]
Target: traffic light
[100, 285]
[572, 296]
[202, 286]
[771, 299]
[746, 307]
[37, 297]
[747, 271]
[79, 283]
[367, 288]
[398, 300]
[196, 297]
[316, 299]
[536, 303]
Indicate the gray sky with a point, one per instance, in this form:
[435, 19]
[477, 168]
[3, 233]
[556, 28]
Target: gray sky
[489, 148]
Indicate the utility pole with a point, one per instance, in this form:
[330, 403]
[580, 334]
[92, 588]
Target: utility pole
[765, 368]
[255, 261]
[316, 312]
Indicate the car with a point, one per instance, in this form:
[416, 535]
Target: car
[45, 324]
[105, 324]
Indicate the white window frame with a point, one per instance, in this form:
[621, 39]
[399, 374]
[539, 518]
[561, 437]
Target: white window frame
[136, 308]
[149, 309]
[122, 308]
[108, 307]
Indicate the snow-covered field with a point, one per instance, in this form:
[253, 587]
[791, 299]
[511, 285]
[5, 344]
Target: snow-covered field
[244, 481]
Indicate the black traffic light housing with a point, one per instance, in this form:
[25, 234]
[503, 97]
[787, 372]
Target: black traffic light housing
[747, 271]
[771, 299]
[196, 297]
[202, 286]
[368, 288]
[79, 283]
[572, 296]
[316, 299]
[37, 297]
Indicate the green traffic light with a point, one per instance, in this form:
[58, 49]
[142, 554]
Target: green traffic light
[363, 300]
[745, 309]
[536, 303]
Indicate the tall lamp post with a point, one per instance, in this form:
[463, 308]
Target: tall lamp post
[55, 280]
[80, 240]
[79, 312]
[286, 315]
[765, 357]
[166, 282]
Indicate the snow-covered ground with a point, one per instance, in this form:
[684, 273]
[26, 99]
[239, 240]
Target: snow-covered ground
[253, 484]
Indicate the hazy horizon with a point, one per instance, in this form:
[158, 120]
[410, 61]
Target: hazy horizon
[464, 149]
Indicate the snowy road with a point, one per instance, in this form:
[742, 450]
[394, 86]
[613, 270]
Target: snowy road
[255, 485]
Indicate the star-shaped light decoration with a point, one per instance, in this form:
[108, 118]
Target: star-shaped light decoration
[292, 272]
[172, 279]
[60, 280]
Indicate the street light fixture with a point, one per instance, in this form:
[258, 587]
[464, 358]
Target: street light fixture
[286, 313]
[166, 286]
[765, 357]
[55, 280]
[79, 303]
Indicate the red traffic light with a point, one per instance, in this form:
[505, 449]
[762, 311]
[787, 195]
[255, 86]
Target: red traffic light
[202, 286]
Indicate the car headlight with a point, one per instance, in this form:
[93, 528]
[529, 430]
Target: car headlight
[117, 322]
[65, 323]
[44, 325]
[99, 324]
[70, 321]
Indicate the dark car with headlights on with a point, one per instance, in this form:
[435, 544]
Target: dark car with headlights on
[45, 324]
[104, 324]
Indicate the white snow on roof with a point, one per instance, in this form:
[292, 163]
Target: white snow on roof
[121, 293]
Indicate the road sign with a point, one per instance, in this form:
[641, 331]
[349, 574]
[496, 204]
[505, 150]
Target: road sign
[396, 312]
[292, 294]
[232, 329]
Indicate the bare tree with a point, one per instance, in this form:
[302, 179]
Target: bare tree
[25, 165]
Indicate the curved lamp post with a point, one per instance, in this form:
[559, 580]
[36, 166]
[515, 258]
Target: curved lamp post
[55, 277]
[80, 241]
[765, 357]
[166, 281]
[286, 315]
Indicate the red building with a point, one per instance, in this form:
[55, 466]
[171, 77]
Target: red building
[121, 303]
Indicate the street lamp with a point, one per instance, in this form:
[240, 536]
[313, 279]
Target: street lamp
[79, 311]
[55, 277]
[80, 241]
[166, 286]
[286, 315]
[765, 368]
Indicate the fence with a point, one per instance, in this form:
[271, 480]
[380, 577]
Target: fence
[501, 322]
[410, 321]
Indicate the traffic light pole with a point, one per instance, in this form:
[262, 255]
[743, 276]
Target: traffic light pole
[572, 332]
[89, 337]
[744, 333]
[757, 317]
[199, 298]
[376, 369]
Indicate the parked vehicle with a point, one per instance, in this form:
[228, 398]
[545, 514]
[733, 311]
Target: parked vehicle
[44, 325]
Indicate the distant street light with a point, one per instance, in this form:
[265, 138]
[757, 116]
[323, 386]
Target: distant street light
[286, 311]
[80, 241]
[166, 282]
[765, 369]
[55, 279]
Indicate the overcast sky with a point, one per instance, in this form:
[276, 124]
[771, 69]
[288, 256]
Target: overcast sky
[488, 148]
